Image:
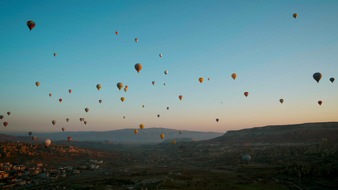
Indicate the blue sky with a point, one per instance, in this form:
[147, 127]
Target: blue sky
[273, 54]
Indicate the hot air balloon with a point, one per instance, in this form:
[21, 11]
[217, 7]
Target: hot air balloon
[67, 119]
[100, 101]
[135, 131]
[30, 133]
[246, 158]
[86, 109]
[70, 91]
[332, 79]
[81, 119]
[54, 54]
[201, 79]
[116, 32]
[234, 76]
[167, 108]
[34, 138]
[160, 55]
[162, 136]
[63, 129]
[1, 116]
[173, 141]
[37, 83]
[50, 94]
[217, 119]
[295, 15]
[53, 122]
[60, 100]
[5, 123]
[30, 24]
[166, 72]
[47, 143]
[141, 126]
[136, 40]
[317, 76]
[9, 113]
[320, 102]
[163, 84]
[158, 115]
[124, 117]
[246, 94]
[281, 100]
[69, 138]
[153, 82]
[122, 99]
[142, 106]
[120, 85]
[180, 97]
[126, 88]
[85, 122]
[98, 86]
[208, 78]
[138, 67]
[180, 132]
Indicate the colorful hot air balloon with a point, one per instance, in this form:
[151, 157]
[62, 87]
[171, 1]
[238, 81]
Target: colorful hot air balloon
[5, 123]
[31, 24]
[234, 76]
[53, 122]
[9, 113]
[70, 91]
[173, 141]
[246, 94]
[37, 83]
[141, 126]
[60, 100]
[201, 79]
[166, 72]
[126, 88]
[122, 99]
[295, 15]
[136, 40]
[138, 67]
[119, 85]
[160, 55]
[69, 138]
[67, 119]
[47, 143]
[162, 136]
[135, 131]
[180, 97]
[317, 76]
[63, 129]
[100, 101]
[217, 120]
[116, 32]
[332, 79]
[1, 116]
[281, 100]
[86, 109]
[320, 102]
[50, 94]
[98, 86]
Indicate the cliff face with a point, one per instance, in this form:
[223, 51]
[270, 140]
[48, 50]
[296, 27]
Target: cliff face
[299, 133]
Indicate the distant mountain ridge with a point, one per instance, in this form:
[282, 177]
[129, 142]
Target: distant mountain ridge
[296, 133]
[148, 135]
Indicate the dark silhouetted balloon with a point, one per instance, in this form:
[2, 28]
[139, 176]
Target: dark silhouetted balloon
[317, 76]
[332, 79]
[31, 24]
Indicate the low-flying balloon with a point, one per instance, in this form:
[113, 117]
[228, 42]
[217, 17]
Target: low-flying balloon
[30, 133]
[162, 136]
[5, 123]
[34, 138]
[37, 83]
[31, 24]
[63, 129]
[138, 67]
[135, 131]
[180, 132]
[246, 158]
[47, 143]
[173, 141]
[141, 126]
[98, 86]
[69, 138]
[317, 76]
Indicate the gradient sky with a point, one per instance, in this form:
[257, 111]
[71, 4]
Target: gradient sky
[273, 54]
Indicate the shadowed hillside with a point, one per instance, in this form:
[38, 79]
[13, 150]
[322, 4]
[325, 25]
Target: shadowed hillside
[298, 133]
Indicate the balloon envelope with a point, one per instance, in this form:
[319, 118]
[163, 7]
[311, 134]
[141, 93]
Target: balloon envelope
[47, 143]
[138, 67]
[31, 24]
[317, 76]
